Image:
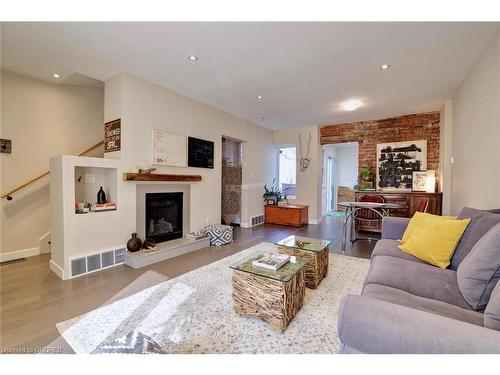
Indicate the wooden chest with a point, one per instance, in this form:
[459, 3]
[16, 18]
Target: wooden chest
[293, 215]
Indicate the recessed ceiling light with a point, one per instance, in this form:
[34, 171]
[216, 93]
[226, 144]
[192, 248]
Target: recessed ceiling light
[384, 66]
[55, 75]
[350, 105]
[260, 97]
[192, 58]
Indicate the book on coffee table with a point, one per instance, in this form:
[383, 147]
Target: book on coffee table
[271, 261]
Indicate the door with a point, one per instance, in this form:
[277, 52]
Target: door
[331, 184]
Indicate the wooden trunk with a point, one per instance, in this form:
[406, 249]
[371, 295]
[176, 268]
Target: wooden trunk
[270, 300]
[410, 199]
[317, 268]
[293, 215]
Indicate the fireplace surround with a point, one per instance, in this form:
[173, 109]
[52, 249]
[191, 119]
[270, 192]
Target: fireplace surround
[162, 211]
[163, 216]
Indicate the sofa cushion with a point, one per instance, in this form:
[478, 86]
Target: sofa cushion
[391, 248]
[479, 272]
[403, 298]
[482, 222]
[420, 279]
[492, 312]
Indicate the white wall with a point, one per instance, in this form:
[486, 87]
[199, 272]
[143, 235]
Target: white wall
[475, 180]
[309, 181]
[144, 106]
[346, 155]
[43, 120]
[445, 154]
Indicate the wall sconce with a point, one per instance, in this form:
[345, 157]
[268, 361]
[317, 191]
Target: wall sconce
[430, 182]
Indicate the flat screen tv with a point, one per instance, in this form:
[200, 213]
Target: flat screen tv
[200, 153]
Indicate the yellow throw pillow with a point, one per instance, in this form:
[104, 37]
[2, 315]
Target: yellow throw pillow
[434, 239]
[415, 221]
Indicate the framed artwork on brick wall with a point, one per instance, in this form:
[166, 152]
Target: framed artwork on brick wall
[397, 161]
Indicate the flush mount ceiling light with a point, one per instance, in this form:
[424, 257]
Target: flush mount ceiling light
[55, 75]
[260, 97]
[350, 105]
[384, 66]
[192, 58]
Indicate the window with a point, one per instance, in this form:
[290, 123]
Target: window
[287, 170]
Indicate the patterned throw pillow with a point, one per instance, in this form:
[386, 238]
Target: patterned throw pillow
[219, 234]
[132, 343]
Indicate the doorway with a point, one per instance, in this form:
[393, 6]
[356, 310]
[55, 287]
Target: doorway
[340, 166]
[231, 181]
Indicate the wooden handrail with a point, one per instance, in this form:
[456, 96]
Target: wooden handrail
[8, 194]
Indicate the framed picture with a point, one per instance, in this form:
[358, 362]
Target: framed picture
[419, 181]
[112, 136]
[271, 201]
[169, 149]
[396, 163]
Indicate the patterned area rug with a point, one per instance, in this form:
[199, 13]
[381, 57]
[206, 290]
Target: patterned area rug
[193, 313]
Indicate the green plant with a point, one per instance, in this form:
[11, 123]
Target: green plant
[274, 190]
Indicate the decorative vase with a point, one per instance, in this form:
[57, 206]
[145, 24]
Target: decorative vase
[134, 244]
[101, 196]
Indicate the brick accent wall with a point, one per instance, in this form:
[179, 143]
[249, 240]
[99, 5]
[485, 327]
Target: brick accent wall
[403, 128]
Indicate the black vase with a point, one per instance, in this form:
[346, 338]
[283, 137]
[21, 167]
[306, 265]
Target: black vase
[134, 244]
[101, 196]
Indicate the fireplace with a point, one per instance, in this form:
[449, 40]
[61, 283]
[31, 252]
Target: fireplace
[163, 216]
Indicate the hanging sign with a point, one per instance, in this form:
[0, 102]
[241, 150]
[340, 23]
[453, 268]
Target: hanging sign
[112, 136]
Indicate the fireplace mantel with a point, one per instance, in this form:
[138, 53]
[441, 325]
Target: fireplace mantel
[160, 177]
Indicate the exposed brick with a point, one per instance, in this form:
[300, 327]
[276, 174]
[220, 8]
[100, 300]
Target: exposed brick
[370, 133]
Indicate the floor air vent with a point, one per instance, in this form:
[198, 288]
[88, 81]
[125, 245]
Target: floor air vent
[93, 262]
[257, 220]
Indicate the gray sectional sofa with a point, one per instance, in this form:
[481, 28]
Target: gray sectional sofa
[409, 306]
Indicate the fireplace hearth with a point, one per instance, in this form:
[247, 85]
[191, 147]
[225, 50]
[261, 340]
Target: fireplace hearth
[163, 216]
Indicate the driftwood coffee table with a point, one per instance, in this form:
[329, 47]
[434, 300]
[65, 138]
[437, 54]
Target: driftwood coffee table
[273, 296]
[312, 249]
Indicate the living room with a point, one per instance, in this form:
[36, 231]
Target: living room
[292, 188]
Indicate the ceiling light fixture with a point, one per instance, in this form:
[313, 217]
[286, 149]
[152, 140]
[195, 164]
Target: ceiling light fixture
[260, 97]
[192, 58]
[55, 75]
[384, 66]
[350, 105]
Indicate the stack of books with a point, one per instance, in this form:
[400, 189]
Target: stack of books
[100, 207]
[195, 235]
[271, 261]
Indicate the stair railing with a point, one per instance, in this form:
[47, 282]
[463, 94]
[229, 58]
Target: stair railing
[9, 193]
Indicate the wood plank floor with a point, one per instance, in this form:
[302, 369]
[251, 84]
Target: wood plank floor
[33, 299]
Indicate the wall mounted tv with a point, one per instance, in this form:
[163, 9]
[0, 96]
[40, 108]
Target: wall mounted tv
[200, 153]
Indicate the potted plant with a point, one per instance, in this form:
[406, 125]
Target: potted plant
[366, 177]
[273, 194]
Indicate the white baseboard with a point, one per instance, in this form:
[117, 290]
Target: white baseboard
[13, 255]
[245, 225]
[316, 221]
[56, 269]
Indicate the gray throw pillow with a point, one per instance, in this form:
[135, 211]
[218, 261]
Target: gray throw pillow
[492, 312]
[479, 272]
[481, 222]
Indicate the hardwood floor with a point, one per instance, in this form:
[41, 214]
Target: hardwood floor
[33, 299]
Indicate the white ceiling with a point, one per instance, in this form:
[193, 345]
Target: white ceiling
[303, 70]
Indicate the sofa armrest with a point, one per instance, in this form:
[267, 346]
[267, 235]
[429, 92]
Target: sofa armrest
[369, 325]
[394, 227]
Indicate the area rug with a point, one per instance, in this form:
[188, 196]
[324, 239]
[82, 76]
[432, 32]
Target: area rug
[336, 213]
[193, 313]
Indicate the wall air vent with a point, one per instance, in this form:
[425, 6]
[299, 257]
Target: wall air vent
[119, 256]
[257, 220]
[93, 262]
[78, 266]
[108, 259]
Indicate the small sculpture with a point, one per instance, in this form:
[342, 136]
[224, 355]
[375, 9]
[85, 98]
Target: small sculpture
[146, 170]
[301, 243]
